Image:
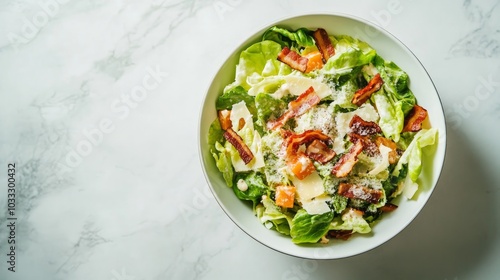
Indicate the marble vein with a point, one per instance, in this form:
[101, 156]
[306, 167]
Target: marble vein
[484, 40]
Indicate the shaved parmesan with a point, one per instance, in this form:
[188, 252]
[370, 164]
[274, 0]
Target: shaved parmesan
[384, 163]
[240, 111]
[317, 206]
[308, 188]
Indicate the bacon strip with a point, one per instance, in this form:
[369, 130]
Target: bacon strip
[225, 119]
[295, 140]
[368, 145]
[413, 121]
[362, 127]
[319, 151]
[302, 104]
[235, 140]
[347, 161]
[340, 234]
[363, 94]
[293, 59]
[360, 192]
[324, 44]
[388, 207]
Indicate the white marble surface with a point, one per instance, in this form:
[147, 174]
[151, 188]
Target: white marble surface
[99, 111]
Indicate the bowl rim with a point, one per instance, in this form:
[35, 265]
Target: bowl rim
[255, 31]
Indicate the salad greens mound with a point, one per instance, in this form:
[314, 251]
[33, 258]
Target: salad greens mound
[319, 134]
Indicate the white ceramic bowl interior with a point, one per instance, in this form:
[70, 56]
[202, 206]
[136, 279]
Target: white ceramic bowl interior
[391, 224]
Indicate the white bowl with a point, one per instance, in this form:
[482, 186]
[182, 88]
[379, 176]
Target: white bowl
[390, 224]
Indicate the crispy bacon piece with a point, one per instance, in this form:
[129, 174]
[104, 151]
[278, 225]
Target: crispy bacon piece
[363, 94]
[235, 140]
[293, 59]
[413, 121]
[304, 102]
[362, 127]
[359, 192]
[340, 234]
[324, 44]
[368, 145]
[295, 140]
[393, 154]
[347, 161]
[225, 119]
[299, 106]
[279, 122]
[388, 207]
[319, 151]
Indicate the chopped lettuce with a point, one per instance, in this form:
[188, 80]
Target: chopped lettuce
[339, 203]
[391, 115]
[220, 154]
[256, 187]
[272, 217]
[308, 228]
[349, 53]
[395, 84]
[234, 96]
[351, 220]
[257, 61]
[269, 107]
[412, 157]
[292, 39]
[223, 163]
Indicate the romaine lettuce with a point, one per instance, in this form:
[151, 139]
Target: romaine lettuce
[412, 157]
[349, 53]
[256, 187]
[271, 216]
[269, 107]
[351, 220]
[234, 96]
[257, 61]
[391, 115]
[395, 83]
[308, 228]
[223, 163]
[292, 39]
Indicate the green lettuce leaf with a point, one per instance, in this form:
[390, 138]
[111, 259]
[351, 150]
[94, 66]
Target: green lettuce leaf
[223, 163]
[257, 61]
[395, 83]
[233, 96]
[391, 115]
[215, 134]
[301, 37]
[308, 228]
[269, 107]
[272, 217]
[219, 153]
[256, 187]
[351, 220]
[349, 53]
[412, 157]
